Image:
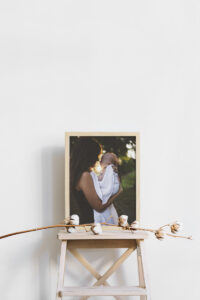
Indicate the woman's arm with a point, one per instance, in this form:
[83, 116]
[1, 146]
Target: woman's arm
[112, 198]
[87, 186]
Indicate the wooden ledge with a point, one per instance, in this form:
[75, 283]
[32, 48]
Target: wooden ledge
[108, 235]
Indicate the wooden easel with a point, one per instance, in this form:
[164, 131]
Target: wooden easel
[131, 241]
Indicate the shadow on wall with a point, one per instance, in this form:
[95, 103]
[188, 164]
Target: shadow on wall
[52, 212]
[45, 246]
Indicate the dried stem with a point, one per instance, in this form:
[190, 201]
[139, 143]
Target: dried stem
[30, 230]
[109, 218]
[143, 229]
[180, 236]
[48, 227]
[165, 226]
[41, 228]
[90, 224]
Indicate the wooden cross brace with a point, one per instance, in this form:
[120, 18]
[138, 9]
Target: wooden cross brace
[101, 280]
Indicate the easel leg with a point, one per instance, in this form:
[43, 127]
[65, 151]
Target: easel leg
[142, 271]
[61, 272]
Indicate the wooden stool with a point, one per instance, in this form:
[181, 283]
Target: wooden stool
[118, 239]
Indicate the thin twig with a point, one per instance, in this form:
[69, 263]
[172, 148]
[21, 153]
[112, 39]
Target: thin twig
[180, 236]
[143, 229]
[48, 227]
[41, 228]
[165, 226]
[35, 229]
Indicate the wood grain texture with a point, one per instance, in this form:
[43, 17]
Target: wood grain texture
[108, 235]
[103, 291]
[61, 272]
[142, 270]
[91, 244]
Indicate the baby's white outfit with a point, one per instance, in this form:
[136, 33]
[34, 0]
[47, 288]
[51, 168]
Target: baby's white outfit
[105, 188]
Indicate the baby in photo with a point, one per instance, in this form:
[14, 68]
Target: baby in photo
[107, 184]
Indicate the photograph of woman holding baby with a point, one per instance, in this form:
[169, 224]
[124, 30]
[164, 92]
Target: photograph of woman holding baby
[102, 171]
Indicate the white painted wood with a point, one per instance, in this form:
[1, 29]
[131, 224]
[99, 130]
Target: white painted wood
[108, 235]
[142, 269]
[67, 177]
[61, 272]
[80, 239]
[103, 291]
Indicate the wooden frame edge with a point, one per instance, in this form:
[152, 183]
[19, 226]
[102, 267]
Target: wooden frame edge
[101, 133]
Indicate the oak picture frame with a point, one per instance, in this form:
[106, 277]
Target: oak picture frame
[100, 134]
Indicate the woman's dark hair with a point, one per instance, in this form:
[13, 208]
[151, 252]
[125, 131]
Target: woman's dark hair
[84, 154]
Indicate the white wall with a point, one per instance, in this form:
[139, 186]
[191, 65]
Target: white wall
[98, 66]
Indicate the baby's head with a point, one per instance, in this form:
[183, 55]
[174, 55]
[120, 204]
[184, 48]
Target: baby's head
[109, 158]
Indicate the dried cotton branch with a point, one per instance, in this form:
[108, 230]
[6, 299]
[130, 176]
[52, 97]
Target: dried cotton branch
[176, 227]
[160, 234]
[96, 228]
[72, 222]
[123, 221]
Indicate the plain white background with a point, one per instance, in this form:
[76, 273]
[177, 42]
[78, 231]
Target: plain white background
[98, 66]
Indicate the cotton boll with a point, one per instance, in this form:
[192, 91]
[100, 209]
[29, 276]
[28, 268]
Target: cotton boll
[71, 229]
[96, 228]
[160, 234]
[123, 221]
[135, 225]
[74, 220]
[176, 227]
[180, 225]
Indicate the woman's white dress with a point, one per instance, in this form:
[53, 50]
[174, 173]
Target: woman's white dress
[105, 188]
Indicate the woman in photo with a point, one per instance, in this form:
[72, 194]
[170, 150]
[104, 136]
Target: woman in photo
[107, 183]
[83, 196]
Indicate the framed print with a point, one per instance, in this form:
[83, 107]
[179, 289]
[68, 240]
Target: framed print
[102, 176]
